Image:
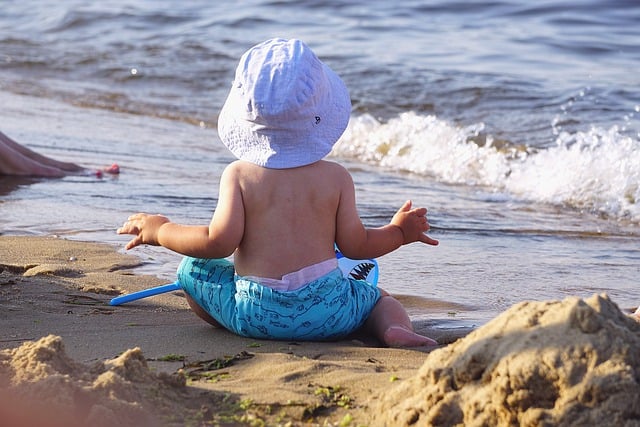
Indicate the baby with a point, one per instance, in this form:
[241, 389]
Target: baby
[281, 210]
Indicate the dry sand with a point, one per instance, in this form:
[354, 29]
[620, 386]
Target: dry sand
[570, 363]
[67, 358]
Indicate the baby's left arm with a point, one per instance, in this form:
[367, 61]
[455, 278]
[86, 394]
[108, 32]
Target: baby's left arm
[218, 240]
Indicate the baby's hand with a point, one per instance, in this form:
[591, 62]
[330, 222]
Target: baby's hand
[145, 227]
[413, 224]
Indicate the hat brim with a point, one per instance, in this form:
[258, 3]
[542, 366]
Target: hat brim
[262, 145]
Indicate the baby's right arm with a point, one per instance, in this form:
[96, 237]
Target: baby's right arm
[413, 223]
[358, 242]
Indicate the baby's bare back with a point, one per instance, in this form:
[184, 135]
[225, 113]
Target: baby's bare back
[290, 217]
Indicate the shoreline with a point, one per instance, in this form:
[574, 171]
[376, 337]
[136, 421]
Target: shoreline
[64, 350]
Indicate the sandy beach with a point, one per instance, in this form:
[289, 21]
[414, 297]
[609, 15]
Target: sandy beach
[516, 124]
[67, 358]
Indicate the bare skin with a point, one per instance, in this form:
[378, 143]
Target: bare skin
[305, 210]
[18, 160]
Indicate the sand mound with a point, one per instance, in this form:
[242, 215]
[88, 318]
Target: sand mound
[573, 362]
[40, 385]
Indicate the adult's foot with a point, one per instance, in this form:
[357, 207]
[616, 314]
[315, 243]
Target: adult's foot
[114, 169]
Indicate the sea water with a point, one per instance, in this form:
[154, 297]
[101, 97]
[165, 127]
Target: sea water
[517, 124]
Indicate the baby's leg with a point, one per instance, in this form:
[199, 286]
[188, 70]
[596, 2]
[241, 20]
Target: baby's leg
[199, 311]
[390, 323]
[209, 287]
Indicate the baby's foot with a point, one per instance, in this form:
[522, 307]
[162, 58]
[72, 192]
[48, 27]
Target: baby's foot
[399, 336]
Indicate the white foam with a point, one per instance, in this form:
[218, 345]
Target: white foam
[596, 170]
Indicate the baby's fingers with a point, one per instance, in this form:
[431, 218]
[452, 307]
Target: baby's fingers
[136, 241]
[428, 240]
[128, 228]
[419, 211]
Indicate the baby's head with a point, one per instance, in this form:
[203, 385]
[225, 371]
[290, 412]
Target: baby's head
[285, 108]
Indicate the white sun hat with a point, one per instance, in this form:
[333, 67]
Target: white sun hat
[285, 108]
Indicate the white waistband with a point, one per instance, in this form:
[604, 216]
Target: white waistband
[297, 279]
